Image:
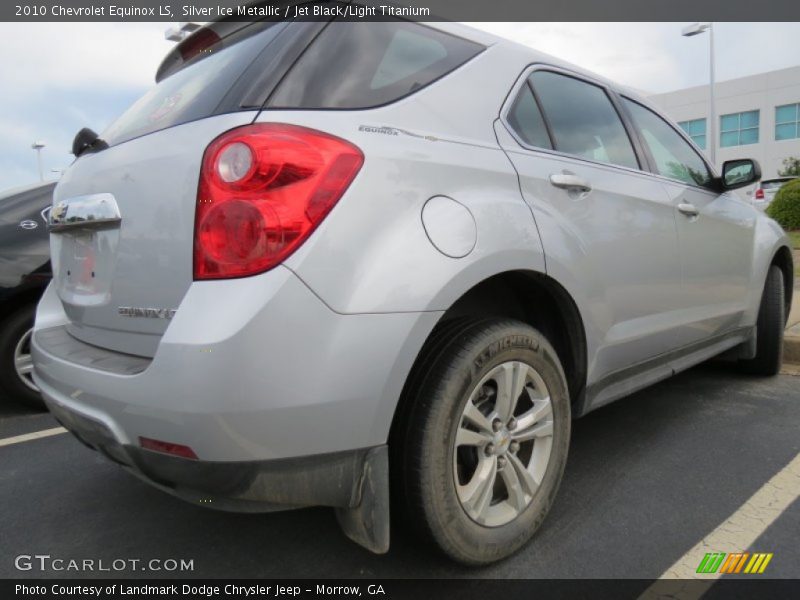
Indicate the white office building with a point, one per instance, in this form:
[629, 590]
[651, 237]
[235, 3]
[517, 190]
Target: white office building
[757, 117]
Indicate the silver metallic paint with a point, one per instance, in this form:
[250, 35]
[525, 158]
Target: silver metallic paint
[311, 357]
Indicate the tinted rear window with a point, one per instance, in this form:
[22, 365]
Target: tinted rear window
[197, 89]
[361, 65]
[348, 65]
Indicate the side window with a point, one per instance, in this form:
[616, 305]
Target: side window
[674, 157]
[582, 119]
[526, 119]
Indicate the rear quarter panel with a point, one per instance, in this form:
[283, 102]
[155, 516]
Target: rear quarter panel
[372, 254]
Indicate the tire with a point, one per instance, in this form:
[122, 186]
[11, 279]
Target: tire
[14, 337]
[450, 396]
[769, 328]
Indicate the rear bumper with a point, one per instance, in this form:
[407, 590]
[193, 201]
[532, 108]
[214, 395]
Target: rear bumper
[240, 486]
[256, 369]
[355, 483]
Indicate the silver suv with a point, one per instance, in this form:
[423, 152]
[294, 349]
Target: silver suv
[317, 258]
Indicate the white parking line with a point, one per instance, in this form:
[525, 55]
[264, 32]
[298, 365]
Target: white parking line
[736, 534]
[32, 436]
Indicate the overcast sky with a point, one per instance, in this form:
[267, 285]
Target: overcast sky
[59, 77]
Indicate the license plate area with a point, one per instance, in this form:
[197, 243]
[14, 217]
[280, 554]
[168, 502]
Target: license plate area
[84, 262]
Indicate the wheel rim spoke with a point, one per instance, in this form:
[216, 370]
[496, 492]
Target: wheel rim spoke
[474, 416]
[544, 429]
[24, 364]
[540, 430]
[510, 384]
[535, 422]
[516, 495]
[527, 483]
[476, 496]
[23, 361]
[468, 437]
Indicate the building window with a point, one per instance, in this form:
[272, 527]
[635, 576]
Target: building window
[787, 122]
[695, 129]
[739, 129]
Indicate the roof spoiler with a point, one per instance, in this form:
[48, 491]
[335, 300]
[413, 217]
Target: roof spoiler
[215, 32]
[195, 44]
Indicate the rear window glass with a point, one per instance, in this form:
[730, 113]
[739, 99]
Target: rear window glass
[361, 65]
[196, 90]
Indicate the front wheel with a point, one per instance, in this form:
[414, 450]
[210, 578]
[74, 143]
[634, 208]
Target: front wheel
[486, 440]
[769, 328]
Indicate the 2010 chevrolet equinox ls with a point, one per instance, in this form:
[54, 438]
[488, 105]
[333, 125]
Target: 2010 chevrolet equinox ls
[319, 257]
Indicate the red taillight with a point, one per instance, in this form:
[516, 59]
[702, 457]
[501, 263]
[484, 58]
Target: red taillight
[167, 448]
[759, 194]
[263, 189]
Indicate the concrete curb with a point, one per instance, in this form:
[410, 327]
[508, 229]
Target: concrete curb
[791, 345]
[791, 340]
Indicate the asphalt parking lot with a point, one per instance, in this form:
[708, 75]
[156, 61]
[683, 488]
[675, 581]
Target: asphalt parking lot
[647, 478]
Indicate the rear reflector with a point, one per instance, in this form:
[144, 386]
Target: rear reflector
[759, 194]
[167, 448]
[264, 188]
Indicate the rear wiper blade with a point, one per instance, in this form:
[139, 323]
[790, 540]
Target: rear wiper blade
[87, 140]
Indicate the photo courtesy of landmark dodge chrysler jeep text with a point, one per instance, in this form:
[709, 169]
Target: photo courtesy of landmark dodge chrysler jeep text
[320, 260]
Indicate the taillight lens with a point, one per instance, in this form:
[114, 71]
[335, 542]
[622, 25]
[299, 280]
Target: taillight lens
[263, 189]
[759, 194]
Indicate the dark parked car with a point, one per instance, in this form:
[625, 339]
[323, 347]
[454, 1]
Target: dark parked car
[24, 274]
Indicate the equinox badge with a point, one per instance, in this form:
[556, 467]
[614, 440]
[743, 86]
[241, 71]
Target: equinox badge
[150, 313]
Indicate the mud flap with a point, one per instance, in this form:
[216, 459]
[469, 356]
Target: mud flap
[367, 524]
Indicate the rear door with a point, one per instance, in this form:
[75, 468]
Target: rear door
[608, 229]
[715, 232]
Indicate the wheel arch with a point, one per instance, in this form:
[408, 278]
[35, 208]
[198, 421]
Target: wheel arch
[529, 296]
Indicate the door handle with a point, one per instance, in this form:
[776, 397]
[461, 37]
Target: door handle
[690, 210]
[570, 181]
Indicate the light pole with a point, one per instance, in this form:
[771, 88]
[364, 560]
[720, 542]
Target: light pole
[711, 138]
[38, 147]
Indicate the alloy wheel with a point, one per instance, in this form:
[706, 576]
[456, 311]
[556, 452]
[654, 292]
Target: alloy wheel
[503, 443]
[23, 362]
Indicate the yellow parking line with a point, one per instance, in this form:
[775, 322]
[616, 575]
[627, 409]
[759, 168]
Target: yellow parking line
[32, 436]
[736, 534]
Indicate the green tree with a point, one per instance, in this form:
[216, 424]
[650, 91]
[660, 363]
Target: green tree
[791, 167]
[785, 208]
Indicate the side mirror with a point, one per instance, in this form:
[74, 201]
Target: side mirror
[739, 173]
